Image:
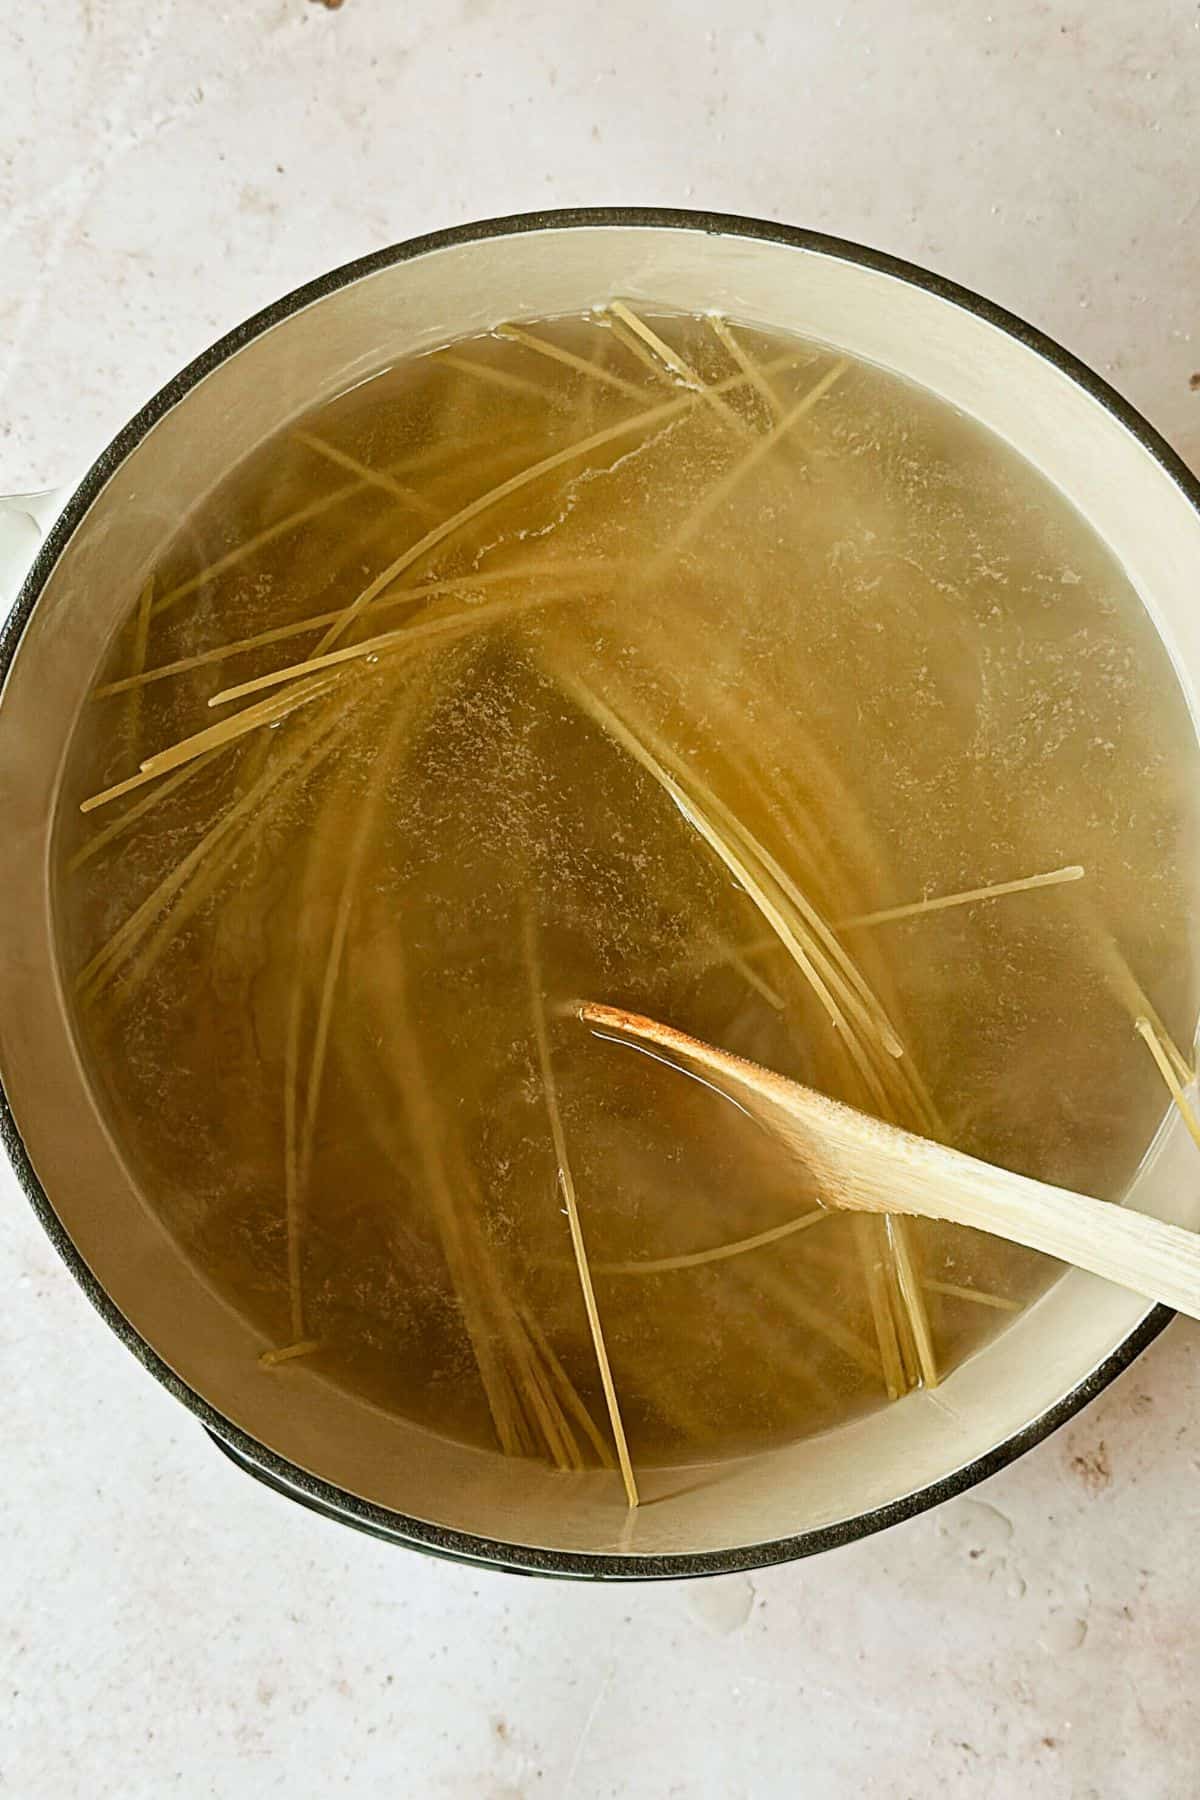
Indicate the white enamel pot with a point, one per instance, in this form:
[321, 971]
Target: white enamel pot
[90, 551]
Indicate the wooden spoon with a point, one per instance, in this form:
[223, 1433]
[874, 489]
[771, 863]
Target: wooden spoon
[864, 1165]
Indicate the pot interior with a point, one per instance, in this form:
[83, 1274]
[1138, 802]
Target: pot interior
[325, 346]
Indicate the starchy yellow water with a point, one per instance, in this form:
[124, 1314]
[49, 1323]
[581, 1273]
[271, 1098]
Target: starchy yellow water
[771, 641]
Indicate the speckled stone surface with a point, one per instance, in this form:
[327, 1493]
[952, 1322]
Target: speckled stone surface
[166, 1626]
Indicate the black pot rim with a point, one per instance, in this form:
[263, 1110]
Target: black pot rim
[276, 1471]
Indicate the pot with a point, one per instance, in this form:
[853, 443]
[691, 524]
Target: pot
[319, 1445]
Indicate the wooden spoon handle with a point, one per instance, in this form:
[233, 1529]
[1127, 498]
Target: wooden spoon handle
[1136, 1251]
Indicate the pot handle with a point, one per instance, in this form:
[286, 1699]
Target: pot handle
[24, 521]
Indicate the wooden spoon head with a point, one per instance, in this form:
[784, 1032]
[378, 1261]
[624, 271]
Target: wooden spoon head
[848, 1154]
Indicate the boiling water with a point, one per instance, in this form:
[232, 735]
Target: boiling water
[775, 641]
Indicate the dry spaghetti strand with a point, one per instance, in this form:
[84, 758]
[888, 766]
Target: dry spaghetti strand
[698, 1258]
[567, 1184]
[994, 891]
[1150, 1038]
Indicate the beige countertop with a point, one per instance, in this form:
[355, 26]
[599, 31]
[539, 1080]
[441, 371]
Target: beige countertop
[167, 1627]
